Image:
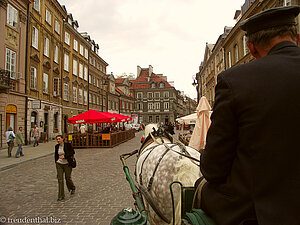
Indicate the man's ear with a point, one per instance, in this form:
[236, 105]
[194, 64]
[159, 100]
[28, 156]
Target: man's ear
[253, 50]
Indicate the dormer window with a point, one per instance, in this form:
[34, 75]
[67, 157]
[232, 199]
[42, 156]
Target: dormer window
[70, 21]
[161, 85]
[153, 85]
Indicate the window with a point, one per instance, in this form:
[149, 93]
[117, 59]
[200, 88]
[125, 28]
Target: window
[66, 62]
[12, 16]
[157, 95]
[97, 100]
[97, 83]
[139, 95]
[85, 98]
[157, 105]
[150, 119]
[94, 81]
[57, 27]
[90, 98]
[86, 73]
[80, 96]
[75, 45]
[66, 92]
[140, 106]
[35, 37]
[56, 54]
[10, 63]
[166, 105]
[46, 47]
[94, 99]
[67, 38]
[75, 94]
[287, 3]
[48, 16]
[157, 119]
[45, 83]
[90, 79]
[55, 87]
[245, 44]
[153, 85]
[150, 95]
[81, 50]
[229, 59]
[81, 70]
[86, 53]
[36, 5]
[33, 78]
[236, 53]
[166, 94]
[150, 106]
[75, 67]
[101, 102]
[161, 85]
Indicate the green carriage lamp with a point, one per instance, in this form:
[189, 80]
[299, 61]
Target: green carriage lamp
[130, 217]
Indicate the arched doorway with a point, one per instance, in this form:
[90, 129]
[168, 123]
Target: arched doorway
[33, 119]
[11, 112]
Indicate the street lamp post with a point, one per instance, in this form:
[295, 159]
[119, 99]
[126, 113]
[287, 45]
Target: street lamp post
[196, 85]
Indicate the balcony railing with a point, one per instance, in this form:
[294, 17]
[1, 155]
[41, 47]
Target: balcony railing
[4, 80]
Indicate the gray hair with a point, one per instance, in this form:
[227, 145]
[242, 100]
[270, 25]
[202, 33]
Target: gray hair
[264, 37]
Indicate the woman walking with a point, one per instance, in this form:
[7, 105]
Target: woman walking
[64, 152]
[10, 136]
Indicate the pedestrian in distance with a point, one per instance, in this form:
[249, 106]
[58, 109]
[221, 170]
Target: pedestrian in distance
[10, 136]
[35, 133]
[64, 152]
[251, 158]
[19, 142]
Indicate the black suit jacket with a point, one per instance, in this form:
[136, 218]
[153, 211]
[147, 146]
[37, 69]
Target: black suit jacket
[252, 155]
[68, 149]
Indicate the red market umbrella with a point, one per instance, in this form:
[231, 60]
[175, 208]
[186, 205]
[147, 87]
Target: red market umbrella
[121, 118]
[92, 116]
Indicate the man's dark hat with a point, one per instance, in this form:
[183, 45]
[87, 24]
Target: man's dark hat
[270, 18]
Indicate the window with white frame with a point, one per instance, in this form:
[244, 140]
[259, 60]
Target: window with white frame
[35, 37]
[94, 99]
[101, 102]
[85, 73]
[229, 59]
[46, 47]
[75, 45]
[86, 53]
[90, 79]
[85, 97]
[161, 85]
[97, 100]
[56, 54]
[97, 83]
[90, 98]
[166, 105]
[12, 16]
[33, 78]
[236, 53]
[245, 45]
[45, 83]
[166, 94]
[48, 16]
[81, 70]
[81, 50]
[94, 81]
[140, 106]
[66, 62]
[80, 96]
[150, 95]
[10, 64]
[101, 84]
[57, 27]
[66, 92]
[150, 119]
[157, 105]
[153, 85]
[150, 106]
[36, 5]
[157, 95]
[139, 95]
[67, 38]
[75, 67]
[75, 94]
[55, 86]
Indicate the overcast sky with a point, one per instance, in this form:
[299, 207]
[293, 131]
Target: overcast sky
[170, 35]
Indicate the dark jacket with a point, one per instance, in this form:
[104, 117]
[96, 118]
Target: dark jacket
[68, 149]
[252, 155]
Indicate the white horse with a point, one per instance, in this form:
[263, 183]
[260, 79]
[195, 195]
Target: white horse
[159, 163]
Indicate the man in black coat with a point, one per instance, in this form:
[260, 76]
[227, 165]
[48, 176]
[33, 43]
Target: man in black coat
[252, 156]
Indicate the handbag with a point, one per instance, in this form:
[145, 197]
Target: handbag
[72, 162]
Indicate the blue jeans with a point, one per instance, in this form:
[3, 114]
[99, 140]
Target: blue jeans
[19, 151]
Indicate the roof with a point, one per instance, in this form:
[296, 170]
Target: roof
[144, 80]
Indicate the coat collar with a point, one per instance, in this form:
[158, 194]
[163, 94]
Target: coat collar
[281, 45]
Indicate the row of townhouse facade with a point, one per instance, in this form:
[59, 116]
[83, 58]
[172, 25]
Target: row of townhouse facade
[50, 72]
[231, 48]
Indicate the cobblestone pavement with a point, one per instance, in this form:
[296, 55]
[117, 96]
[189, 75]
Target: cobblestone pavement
[30, 190]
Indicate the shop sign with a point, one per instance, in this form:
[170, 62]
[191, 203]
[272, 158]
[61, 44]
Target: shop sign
[36, 104]
[11, 109]
[106, 137]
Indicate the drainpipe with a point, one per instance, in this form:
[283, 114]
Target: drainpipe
[26, 72]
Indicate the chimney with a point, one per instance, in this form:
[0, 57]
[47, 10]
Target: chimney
[150, 70]
[139, 69]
